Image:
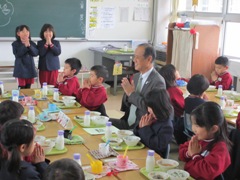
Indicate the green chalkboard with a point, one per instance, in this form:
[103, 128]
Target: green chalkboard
[68, 17]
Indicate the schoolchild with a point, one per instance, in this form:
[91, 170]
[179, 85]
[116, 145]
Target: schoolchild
[24, 50]
[206, 155]
[49, 50]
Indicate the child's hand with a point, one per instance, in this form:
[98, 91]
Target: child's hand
[214, 76]
[38, 154]
[146, 120]
[48, 40]
[86, 84]
[194, 147]
[60, 77]
[127, 86]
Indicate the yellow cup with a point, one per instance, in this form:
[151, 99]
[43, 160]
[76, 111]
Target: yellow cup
[97, 167]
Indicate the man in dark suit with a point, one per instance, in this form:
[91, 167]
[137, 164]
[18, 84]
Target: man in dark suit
[143, 82]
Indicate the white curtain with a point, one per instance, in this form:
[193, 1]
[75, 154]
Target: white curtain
[182, 52]
[174, 16]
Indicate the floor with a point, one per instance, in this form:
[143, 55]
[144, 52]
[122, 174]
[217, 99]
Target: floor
[113, 110]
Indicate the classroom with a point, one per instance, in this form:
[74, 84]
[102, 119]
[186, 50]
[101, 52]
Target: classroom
[162, 74]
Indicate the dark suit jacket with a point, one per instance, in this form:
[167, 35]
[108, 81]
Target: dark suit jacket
[48, 57]
[154, 80]
[24, 66]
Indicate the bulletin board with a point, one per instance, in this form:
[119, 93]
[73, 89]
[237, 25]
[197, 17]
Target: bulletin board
[119, 19]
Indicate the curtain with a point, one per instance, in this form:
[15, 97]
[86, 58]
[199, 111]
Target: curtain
[174, 16]
[182, 52]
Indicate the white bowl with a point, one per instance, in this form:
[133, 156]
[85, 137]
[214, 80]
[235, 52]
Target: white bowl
[68, 98]
[114, 141]
[100, 120]
[236, 95]
[131, 140]
[227, 92]
[38, 124]
[167, 164]
[124, 133]
[155, 175]
[50, 86]
[95, 113]
[227, 110]
[69, 103]
[47, 146]
[178, 174]
[39, 139]
[211, 87]
[89, 176]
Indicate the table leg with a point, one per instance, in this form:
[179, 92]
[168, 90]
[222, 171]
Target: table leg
[115, 85]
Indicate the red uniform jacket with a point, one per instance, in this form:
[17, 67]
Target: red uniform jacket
[177, 100]
[92, 98]
[209, 164]
[69, 86]
[225, 80]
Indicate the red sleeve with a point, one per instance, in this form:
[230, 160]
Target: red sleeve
[177, 100]
[211, 165]
[69, 87]
[226, 81]
[92, 98]
[183, 148]
[238, 121]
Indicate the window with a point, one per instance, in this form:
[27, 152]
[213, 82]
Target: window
[234, 6]
[203, 5]
[232, 39]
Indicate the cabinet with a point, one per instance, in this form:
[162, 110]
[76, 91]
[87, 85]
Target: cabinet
[203, 58]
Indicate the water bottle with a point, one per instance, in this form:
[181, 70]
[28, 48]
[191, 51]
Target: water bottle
[44, 90]
[220, 90]
[150, 161]
[15, 95]
[2, 87]
[77, 158]
[108, 130]
[31, 114]
[86, 120]
[60, 140]
[125, 47]
[222, 102]
[55, 95]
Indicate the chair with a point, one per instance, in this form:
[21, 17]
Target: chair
[232, 171]
[187, 125]
[165, 155]
[102, 110]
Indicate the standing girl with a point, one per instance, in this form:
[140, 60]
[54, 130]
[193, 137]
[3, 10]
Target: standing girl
[17, 138]
[24, 50]
[170, 75]
[155, 128]
[49, 50]
[207, 153]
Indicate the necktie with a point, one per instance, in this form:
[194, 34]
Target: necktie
[133, 108]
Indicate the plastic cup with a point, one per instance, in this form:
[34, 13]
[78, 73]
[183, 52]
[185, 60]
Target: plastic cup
[52, 107]
[67, 134]
[122, 161]
[96, 166]
[104, 149]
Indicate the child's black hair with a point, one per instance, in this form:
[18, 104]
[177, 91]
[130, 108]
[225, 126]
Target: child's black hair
[197, 84]
[74, 63]
[46, 27]
[13, 134]
[64, 169]
[168, 72]
[159, 101]
[100, 71]
[209, 114]
[10, 110]
[222, 60]
[19, 29]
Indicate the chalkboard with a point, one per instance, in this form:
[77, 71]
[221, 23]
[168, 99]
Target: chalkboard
[68, 17]
[119, 19]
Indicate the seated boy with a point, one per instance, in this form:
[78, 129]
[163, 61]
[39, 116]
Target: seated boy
[93, 94]
[67, 82]
[221, 76]
[196, 87]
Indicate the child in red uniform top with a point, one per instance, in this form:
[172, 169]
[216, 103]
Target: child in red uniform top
[220, 76]
[67, 82]
[93, 94]
[169, 73]
[207, 153]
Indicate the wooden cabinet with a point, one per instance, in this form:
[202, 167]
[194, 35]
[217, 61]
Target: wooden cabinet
[204, 57]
